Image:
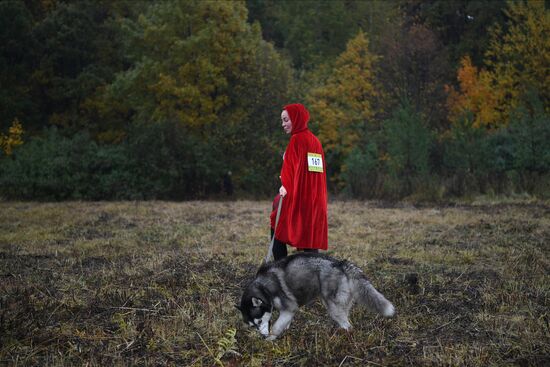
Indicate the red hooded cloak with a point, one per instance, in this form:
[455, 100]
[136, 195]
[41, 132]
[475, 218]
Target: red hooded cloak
[303, 220]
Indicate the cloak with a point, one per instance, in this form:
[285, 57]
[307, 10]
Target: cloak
[303, 221]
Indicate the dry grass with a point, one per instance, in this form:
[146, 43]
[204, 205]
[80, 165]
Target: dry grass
[152, 283]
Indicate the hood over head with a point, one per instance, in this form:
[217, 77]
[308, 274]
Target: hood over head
[299, 115]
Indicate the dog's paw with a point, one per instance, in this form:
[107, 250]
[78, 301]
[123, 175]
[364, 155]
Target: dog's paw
[271, 338]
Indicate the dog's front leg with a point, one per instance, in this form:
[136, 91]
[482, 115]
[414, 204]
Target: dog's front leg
[283, 322]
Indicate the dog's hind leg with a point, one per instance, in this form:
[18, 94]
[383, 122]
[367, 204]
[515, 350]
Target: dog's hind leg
[282, 323]
[339, 313]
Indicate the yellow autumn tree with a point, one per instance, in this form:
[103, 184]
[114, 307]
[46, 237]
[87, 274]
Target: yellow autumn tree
[518, 58]
[13, 138]
[344, 104]
[475, 95]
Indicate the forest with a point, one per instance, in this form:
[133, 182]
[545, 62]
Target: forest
[181, 99]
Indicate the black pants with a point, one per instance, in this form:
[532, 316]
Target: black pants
[280, 250]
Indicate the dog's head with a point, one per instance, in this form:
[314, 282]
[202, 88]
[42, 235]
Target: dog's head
[256, 308]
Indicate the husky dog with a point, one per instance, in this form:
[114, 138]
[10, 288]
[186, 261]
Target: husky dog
[296, 280]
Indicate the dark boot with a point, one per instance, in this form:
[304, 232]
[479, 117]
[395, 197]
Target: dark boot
[279, 248]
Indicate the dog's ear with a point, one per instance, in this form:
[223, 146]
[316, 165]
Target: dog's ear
[256, 302]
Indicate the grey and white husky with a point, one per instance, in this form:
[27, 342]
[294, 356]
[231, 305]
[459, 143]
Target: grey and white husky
[296, 280]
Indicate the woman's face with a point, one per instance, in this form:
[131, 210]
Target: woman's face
[287, 124]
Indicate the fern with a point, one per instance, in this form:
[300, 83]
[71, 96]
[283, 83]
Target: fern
[227, 343]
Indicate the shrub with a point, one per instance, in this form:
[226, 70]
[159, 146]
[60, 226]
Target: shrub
[156, 161]
[360, 172]
[45, 167]
[54, 167]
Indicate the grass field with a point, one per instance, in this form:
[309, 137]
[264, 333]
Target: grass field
[154, 283]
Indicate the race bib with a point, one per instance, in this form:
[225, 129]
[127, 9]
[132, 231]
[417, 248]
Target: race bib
[314, 162]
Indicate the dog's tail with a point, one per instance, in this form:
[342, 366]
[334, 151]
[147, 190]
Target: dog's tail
[374, 300]
[369, 296]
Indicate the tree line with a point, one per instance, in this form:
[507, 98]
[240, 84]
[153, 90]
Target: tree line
[181, 99]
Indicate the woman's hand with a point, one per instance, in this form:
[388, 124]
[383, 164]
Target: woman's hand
[282, 191]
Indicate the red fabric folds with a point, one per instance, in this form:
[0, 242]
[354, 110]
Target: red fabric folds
[303, 221]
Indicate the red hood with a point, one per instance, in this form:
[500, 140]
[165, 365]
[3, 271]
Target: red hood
[299, 116]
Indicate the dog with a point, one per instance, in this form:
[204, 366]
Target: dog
[299, 279]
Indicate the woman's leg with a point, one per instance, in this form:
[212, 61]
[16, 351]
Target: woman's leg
[279, 248]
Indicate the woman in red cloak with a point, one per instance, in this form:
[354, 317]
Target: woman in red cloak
[303, 219]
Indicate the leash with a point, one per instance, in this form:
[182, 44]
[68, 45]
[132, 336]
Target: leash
[270, 250]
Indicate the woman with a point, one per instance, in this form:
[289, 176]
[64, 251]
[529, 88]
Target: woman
[303, 219]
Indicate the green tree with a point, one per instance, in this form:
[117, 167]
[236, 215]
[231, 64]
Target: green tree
[530, 133]
[315, 32]
[199, 66]
[17, 60]
[361, 172]
[406, 152]
[467, 156]
[77, 55]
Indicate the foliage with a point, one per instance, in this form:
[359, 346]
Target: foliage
[314, 33]
[215, 81]
[530, 134]
[343, 106]
[462, 26]
[407, 149]
[148, 165]
[55, 167]
[414, 67]
[167, 99]
[480, 160]
[78, 54]
[518, 57]
[475, 96]
[17, 59]
[173, 164]
[361, 172]
[466, 155]
[13, 139]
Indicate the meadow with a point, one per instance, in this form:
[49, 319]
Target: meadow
[155, 283]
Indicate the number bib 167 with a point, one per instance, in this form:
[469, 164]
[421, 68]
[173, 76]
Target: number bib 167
[315, 162]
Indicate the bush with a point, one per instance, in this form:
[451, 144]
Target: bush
[156, 162]
[360, 172]
[54, 167]
[45, 167]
